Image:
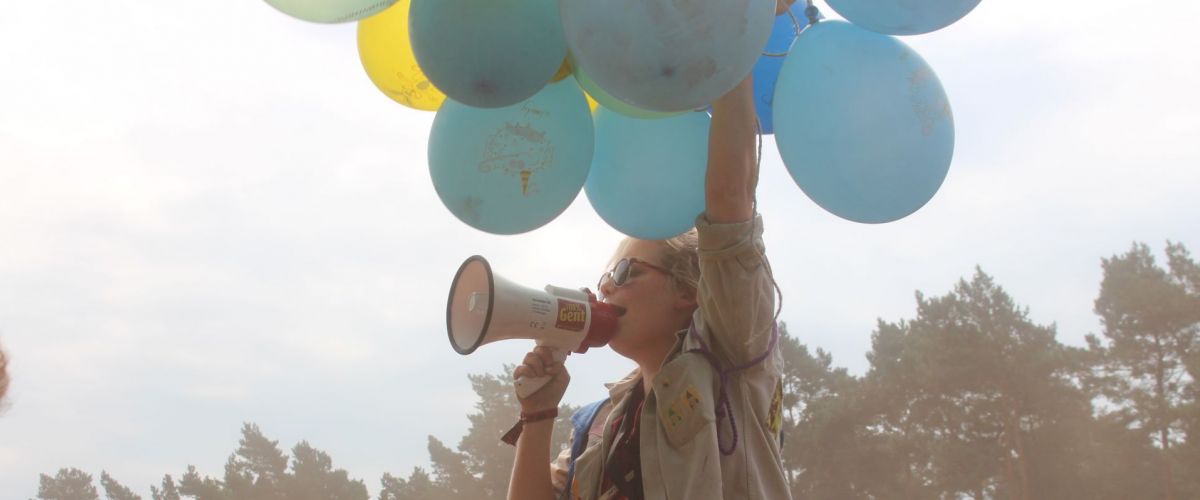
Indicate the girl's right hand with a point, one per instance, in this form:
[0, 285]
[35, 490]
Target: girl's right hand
[540, 362]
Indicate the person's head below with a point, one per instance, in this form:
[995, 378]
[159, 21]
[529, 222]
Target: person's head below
[655, 282]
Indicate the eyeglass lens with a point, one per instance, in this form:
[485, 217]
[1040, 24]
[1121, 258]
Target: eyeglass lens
[621, 272]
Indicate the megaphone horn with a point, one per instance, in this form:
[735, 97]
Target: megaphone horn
[483, 307]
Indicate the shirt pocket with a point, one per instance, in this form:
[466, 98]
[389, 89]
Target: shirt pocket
[684, 398]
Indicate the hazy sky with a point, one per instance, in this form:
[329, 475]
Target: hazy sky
[208, 215]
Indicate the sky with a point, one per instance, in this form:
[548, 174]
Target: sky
[210, 216]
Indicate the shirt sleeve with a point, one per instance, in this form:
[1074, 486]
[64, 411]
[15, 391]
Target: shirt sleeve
[736, 293]
[559, 467]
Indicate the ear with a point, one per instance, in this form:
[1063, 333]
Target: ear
[685, 297]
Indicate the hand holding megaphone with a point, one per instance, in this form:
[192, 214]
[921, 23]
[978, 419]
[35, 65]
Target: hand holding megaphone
[484, 307]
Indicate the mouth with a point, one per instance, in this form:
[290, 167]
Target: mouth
[619, 309]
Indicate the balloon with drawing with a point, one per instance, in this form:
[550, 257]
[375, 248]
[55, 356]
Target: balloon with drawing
[513, 169]
[387, 56]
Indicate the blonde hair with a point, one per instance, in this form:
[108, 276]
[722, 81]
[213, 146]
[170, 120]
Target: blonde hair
[680, 255]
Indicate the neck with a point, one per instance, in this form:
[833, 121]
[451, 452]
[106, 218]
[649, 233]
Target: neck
[651, 362]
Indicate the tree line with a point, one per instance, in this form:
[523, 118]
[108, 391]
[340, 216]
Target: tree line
[968, 399]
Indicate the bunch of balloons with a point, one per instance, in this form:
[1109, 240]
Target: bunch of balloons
[537, 100]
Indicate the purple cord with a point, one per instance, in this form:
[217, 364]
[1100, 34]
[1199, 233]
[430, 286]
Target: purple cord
[723, 406]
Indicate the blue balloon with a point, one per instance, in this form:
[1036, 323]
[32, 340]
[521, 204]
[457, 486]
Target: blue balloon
[766, 70]
[647, 177]
[513, 169]
[667, 55]
[862, 123]
[903, 17]
[487, 53]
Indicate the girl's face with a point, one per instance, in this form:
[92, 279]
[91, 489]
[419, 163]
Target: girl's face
[655, 308]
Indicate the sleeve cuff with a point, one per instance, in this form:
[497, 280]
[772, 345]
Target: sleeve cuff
[727, 238]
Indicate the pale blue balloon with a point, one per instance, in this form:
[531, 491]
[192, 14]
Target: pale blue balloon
[331, 11]
[487, 53]
[513, 169]
[862, 123]
[647, 177]
[667, 55]
[903, 17]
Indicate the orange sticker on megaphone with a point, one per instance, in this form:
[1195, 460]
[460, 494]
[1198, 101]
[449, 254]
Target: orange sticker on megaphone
[571, 315]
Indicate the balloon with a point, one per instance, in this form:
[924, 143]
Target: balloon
[564, 70]
[331, 11]
[388, 58]
[903, 17]
[487, 53]
[605, 99]
[667, 55]
[766, 70]
[647, 177]
[862, 123]
[510, 170]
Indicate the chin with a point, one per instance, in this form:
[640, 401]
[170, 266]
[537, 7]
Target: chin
[620, 343]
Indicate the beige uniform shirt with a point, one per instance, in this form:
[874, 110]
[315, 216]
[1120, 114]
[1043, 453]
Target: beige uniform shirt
[679, 429]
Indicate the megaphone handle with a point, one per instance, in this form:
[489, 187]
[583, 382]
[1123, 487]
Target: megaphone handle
[530, 385]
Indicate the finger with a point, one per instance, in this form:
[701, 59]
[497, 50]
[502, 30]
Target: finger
[534, 365]
[546, 354]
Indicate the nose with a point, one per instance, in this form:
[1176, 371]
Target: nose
[607, 287]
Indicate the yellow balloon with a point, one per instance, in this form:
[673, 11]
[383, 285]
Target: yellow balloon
[566, 70]
[387, 56]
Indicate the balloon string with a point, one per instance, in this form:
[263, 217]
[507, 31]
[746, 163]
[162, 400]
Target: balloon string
[796, 25]
[754, 208]
[813, 15]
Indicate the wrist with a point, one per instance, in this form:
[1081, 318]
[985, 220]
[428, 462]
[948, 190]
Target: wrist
[537, 419]
[529, 417]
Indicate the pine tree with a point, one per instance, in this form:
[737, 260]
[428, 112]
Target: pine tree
[168, 492]
[827, 451]
[480, 468]
[115, 490]
[1150, 318]
[418, 486]
[973, 390]
[67, 484]
[202, 488]
[256, 470]
[314, 478]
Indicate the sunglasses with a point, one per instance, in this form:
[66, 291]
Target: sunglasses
[620, 272]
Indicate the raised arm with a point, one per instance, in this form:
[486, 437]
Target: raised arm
[731, 179]
[736, 293]
[531, 478]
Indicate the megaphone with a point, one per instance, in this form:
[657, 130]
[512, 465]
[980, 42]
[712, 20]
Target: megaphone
[483, 307]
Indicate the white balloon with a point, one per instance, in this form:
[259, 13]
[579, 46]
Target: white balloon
[667, 55]
[331, 11]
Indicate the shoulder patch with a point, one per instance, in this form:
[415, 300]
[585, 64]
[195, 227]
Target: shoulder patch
[678, 410]
[775, 415]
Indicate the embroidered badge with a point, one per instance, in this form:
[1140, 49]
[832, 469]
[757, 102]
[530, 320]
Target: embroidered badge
[678, 410]
[775, 416]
